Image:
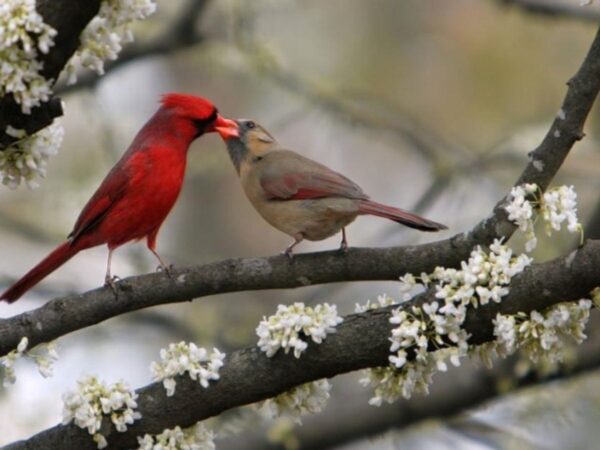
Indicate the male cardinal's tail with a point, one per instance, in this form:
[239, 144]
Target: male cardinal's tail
[399, 215]
[57, 258]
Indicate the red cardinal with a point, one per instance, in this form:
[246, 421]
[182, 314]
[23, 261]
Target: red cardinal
[298, 196]
[140, 190]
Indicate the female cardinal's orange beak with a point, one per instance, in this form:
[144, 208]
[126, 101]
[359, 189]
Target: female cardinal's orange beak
[226, 128]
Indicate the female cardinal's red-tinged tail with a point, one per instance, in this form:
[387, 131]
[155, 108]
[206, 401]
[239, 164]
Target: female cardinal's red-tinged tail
[399, 215]
[49, 264]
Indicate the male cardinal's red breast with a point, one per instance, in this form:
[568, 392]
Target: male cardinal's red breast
[140, 190]
[298, 196]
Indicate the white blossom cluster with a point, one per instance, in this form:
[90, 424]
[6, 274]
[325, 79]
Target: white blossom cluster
[390, 384]
[93, 400]
[287, 328]
[103, 37]
[520, 211]
[308, 398]
[8, 362]
[180, 358]
[434, 331]
[542, 337]
[22, 34]
[556, 206]
[382, 301]
[44, 355]
[26, 159]
[197, 437]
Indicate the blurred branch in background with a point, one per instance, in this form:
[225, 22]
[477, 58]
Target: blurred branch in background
[556, 8]
[592, 229]
[360, 341]
[449, 398]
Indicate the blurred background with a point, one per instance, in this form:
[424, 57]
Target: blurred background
[430, 106]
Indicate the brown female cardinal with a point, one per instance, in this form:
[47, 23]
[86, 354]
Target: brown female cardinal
[140, 190]
[298, 196]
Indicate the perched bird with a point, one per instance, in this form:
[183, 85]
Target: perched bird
[139, 191]
[299, 196]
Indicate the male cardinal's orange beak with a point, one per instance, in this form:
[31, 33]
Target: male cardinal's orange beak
[226, 128]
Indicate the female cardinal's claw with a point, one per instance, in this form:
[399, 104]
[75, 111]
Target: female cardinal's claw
[288, 252]
[166, 269]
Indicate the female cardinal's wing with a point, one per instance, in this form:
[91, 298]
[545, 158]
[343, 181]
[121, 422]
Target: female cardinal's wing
[289, 176]
[111, 190]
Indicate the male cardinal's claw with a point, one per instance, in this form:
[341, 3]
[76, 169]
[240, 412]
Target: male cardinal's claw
[111, 282]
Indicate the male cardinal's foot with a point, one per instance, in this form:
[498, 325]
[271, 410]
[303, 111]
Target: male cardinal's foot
[111, 282]
[163, 266]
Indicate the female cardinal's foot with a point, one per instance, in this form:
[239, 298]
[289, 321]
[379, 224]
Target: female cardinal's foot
[166, 269]
[344, 243]
[298, 237]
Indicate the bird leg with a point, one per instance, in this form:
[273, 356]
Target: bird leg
[298, 237]
[110, 280]
[168, 269]
[344, 244]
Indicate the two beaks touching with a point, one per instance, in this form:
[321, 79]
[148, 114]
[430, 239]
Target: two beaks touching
[294, 194]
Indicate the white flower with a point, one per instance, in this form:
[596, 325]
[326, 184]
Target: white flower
[382, 301]
[556, 206]
[22, 34]
[560, 205]
[26, 159]
[505, 332]
[520, 210]
[8, 362]
[180, 358]
[309, 398]
[103, 37]
[93, 400]
[543, 337]
[44, 356]
[286, 328]
[433, 333]
[197, 437]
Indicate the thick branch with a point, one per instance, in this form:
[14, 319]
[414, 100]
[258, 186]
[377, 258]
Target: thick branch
[453, 393]
[68, 18]
[361, 341]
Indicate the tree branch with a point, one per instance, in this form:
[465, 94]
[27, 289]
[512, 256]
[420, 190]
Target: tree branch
[61, 316]
[68, 18]
[456, 392]
[361, 341]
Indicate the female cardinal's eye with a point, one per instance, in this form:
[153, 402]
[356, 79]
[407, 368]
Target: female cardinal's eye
[250, 125]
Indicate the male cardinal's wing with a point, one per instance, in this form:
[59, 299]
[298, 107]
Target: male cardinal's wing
[110, 191]
[289, 176]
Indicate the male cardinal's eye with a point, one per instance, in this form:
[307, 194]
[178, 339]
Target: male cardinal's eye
[250, 125]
